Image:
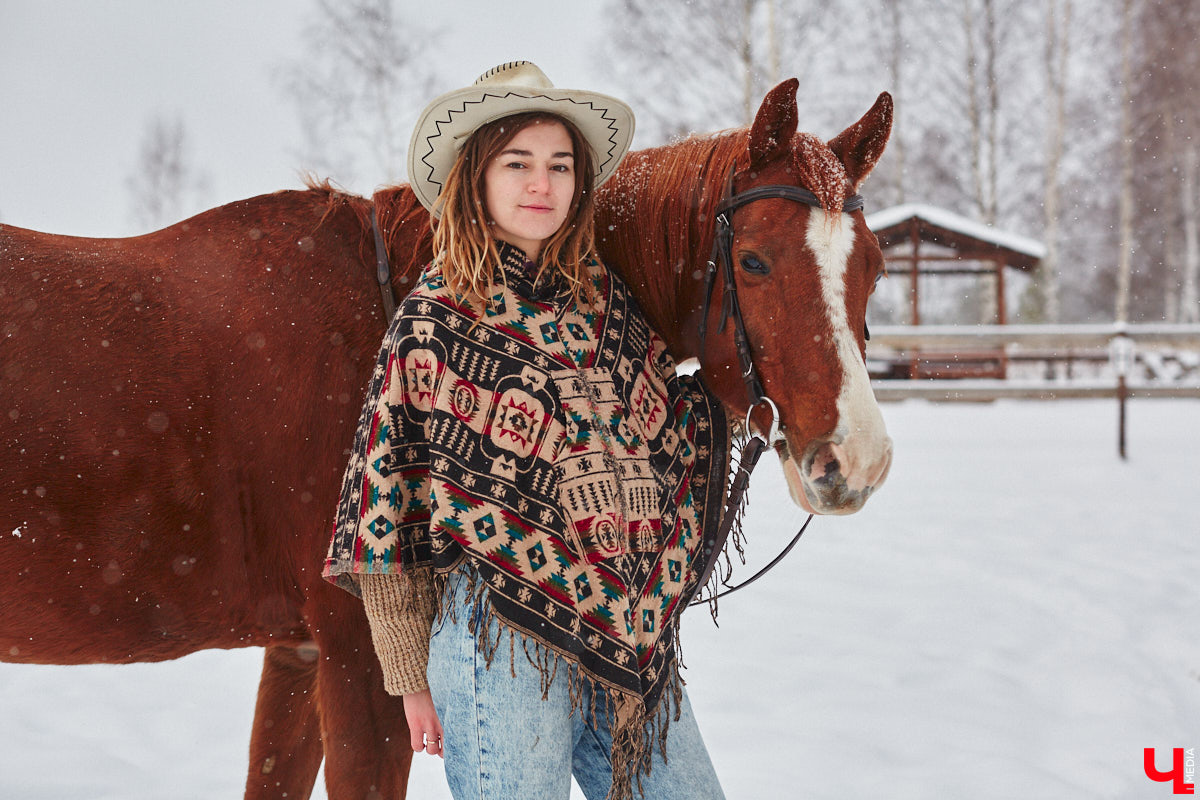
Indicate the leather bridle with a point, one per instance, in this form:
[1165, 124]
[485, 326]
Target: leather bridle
[721, 260]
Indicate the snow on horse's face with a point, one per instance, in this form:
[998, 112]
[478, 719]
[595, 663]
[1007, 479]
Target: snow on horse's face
[804, 274]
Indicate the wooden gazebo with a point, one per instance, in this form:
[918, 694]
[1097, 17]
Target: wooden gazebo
[921, 240]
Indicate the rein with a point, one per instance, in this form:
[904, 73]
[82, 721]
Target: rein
[721, 259]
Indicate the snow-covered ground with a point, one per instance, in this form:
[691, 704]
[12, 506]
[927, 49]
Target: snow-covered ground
[1016, 615]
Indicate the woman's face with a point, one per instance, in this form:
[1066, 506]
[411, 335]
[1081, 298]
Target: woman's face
[528, 187]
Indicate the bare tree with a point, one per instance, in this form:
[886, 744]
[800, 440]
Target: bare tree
[1007, 111]
[685, 66]
[772, 75]
[982, 103]
[1165, 112]
[163, 186]
[1189, 297]
[699, 65]
[888, 18]
[1126, 243]
[358, 88]
[1010, 112]
[1055, 66]
[972, 144]
[991, 97]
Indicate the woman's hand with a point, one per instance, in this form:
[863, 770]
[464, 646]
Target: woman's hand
[423, 724]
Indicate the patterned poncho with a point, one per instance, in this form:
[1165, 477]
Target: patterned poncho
[553, 448]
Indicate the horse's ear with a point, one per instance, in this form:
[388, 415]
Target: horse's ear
[860, 146]
[775, 123]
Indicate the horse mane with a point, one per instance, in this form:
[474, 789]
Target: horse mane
[407, 228]
[666, 199]
[405, 223]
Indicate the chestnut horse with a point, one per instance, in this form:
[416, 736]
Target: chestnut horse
[175, 410]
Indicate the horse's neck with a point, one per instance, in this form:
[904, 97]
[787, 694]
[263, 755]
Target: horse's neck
[638, 236]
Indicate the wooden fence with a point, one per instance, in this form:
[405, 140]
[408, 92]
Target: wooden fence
[1042, 362]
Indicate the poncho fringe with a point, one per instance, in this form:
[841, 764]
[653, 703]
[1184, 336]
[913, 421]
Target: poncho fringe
[634, 729]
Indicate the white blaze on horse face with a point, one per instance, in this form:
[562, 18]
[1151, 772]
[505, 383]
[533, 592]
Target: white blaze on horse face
[837, 476]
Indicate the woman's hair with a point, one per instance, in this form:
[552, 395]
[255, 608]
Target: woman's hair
[462, 238]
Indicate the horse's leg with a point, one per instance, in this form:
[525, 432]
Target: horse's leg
[285, 742]
[367, 751]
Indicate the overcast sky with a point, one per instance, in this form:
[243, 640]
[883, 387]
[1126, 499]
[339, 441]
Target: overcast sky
[81, 79]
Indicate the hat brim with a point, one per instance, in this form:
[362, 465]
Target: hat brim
[606, 123]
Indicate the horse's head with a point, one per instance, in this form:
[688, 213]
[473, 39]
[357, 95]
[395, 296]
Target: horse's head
[803, 274]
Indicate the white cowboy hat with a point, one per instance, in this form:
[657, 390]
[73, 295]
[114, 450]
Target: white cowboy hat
[513, 88]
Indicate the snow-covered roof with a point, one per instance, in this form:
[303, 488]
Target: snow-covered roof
[950, 221]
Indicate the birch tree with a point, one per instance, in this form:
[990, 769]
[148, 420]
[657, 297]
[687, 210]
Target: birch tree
[993, 106]
[357, 90]
[702, 65]
[1055, 67]
[887, 19]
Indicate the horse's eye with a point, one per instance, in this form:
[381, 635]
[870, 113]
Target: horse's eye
[755, 267]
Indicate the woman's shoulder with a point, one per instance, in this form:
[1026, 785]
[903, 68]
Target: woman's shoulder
[603, 276]
[430, 280]
[612, 286]
[430, 285]
[436, 305]
[594, 261]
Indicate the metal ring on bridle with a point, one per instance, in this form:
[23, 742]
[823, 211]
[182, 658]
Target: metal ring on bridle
[773, 433]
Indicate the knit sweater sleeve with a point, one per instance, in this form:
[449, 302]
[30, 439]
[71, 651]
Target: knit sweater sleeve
[400, 609]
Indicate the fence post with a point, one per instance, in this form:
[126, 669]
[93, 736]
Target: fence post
[1122, 396]
[1121, 353]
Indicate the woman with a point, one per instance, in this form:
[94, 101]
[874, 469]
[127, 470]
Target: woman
[530, 482]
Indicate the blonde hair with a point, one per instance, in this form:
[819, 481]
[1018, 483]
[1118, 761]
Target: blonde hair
[463, 240]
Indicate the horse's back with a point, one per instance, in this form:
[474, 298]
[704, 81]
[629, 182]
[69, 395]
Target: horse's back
[163, 400]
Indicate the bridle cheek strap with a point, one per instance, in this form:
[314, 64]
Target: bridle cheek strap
[731, 308]
[721, 259]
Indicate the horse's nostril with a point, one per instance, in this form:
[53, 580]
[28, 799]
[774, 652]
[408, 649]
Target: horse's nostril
[823, 463]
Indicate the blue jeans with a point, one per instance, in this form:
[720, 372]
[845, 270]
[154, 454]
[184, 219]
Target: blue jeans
[503, 742]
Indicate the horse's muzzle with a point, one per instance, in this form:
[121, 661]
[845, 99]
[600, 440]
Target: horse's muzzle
[831, 478]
